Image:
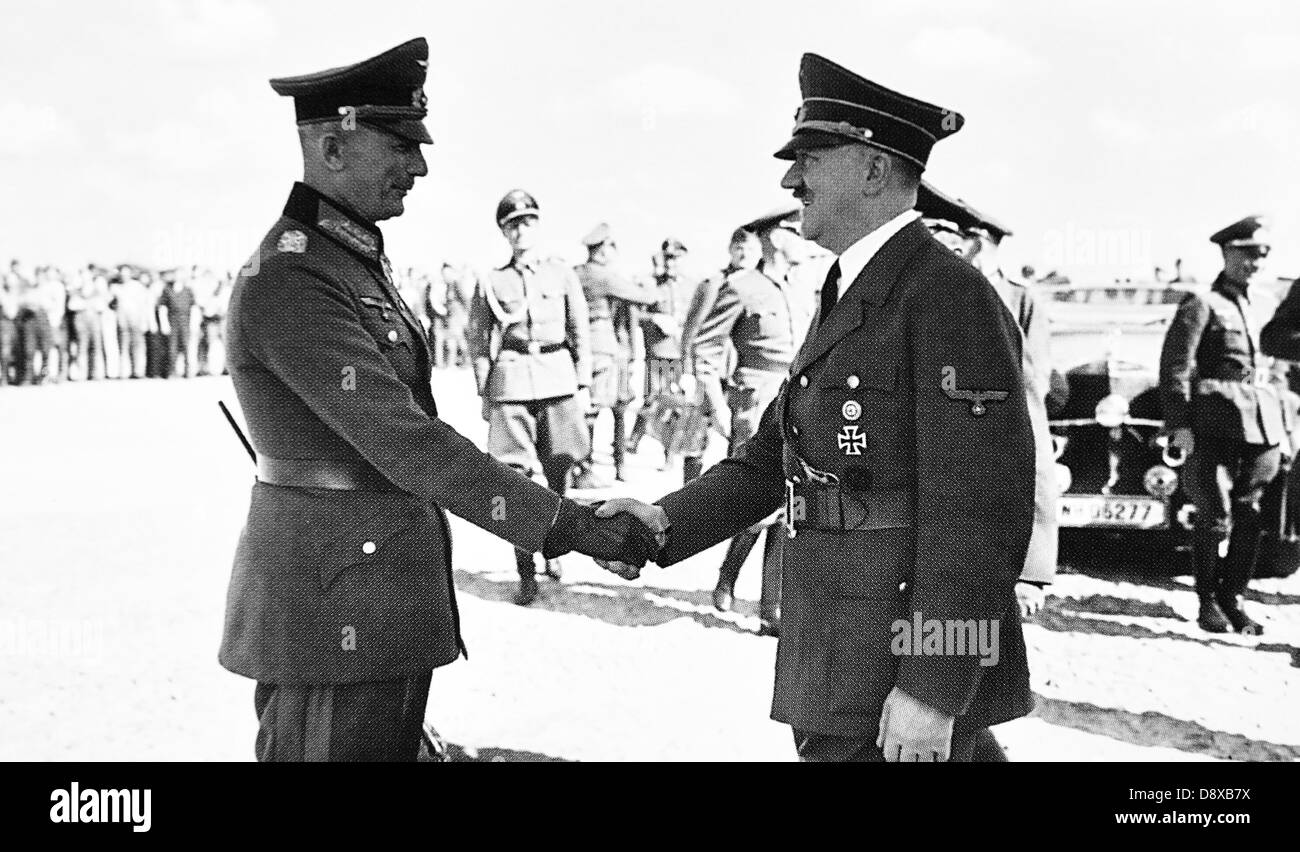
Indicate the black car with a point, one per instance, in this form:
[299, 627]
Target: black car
[1120, 484]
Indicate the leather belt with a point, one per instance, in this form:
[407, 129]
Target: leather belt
[532, 347]
[834, 508]
[334, 474]
[817, 500]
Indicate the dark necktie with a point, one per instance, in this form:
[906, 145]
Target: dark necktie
[830, 292]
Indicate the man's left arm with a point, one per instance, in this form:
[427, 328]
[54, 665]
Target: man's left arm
[577, 326]
[974, 475]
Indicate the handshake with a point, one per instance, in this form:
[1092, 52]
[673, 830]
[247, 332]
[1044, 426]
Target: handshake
[621, 534]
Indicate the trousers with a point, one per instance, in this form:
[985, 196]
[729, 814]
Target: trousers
[347, 722]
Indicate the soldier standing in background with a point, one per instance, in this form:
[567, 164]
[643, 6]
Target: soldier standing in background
[35, 328]
[661, 330]
[612, 300]
[213, 293]
[435, 308]
[54, 296]
[10, 285]
[530, 345]
[134, 307]
[155, 341]
[754, 313]
[1223, 408]
[175, 312]
[86, 304]
[975, 238]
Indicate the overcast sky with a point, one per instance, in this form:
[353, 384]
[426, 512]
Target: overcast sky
[1109, 136]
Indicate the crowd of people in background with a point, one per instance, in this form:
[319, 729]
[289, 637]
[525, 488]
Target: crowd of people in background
[131, 322]
[101, 322]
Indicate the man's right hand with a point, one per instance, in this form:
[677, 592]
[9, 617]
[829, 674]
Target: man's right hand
[615, 537]
[686, 381]
[1182, 440]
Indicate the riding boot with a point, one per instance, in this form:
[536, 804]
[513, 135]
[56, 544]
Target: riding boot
[1205, 564]
[638, 430]
[620, 421]
[1238, 568]
[527, 592]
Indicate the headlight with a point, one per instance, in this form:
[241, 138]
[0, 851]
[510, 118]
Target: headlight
[1112, 411]
[1160, 481]
[1063, 478]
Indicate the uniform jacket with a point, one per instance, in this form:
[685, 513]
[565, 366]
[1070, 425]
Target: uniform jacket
[610, 297]
[1280, 337]
[749, 310]
[1213, 376]
[661, 321]
[346, 586]
[1040, 561]
[540, 304]
[910, 341]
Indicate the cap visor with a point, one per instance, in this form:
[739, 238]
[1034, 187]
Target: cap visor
[518, 214]
[410, 129]
[810, 139]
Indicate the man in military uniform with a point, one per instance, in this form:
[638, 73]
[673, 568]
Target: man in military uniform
[901, 445]
[341, 600]
[1223, 408]
[753, 313]
[529, 342]
[975, 237]
[612, 302]
[661, 331]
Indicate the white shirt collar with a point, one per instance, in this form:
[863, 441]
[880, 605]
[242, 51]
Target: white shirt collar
[857, 256]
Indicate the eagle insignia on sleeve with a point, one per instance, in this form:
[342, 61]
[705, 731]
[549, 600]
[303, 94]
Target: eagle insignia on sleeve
[976, 398]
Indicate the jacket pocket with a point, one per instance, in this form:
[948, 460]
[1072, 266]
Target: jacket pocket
[361, 542]
[310, 531]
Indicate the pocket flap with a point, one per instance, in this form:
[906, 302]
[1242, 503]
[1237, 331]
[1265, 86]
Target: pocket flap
[359, 540]
[324, 531]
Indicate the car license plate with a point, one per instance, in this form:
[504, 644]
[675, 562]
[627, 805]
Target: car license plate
[1096, 510]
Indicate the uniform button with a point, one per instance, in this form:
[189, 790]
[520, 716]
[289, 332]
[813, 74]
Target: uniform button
[794, 430]
[803, 381]
[852, 382]
[902, 586]
[392, 335]
[368, 548]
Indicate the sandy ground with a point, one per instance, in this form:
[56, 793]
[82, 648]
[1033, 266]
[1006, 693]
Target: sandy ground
[122, 501]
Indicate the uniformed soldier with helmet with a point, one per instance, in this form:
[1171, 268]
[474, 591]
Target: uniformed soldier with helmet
[531, 349]
[341, 600]
[1224, 408]
[613, 300]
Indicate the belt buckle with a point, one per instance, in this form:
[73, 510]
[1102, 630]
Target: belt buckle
[534, 347]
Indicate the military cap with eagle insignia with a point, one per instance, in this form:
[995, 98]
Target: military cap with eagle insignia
[840, 107]
[385, 92]
[941, 208]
